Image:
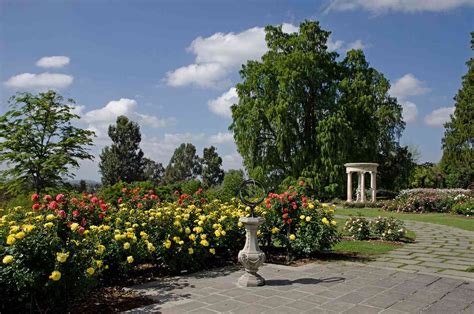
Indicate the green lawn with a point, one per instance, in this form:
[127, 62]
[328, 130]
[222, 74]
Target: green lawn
[366, 248]
[466, 223]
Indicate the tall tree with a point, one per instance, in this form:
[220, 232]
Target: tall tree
[212, 172]
[123, 160]
[301, 113]
[458, 142]
[38, 141]
[184, 164]
[152, 171]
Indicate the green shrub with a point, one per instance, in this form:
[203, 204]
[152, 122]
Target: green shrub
[464, 205]
[358, 228]
[389, 229]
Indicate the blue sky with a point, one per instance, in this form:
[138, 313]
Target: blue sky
[171, 65]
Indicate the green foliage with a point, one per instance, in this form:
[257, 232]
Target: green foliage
[184, 164]
[388, 229]
[427, 175]
[230, 185]
[458, 142]
[301, 113]
[38, 141]
[123, 160]
[152, 171]
[190, 187]
[212, 173]
[464, 205]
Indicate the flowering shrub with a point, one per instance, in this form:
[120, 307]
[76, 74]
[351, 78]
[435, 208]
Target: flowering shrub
[389, 229]
[358, 228]
[464, 205]
[62, 246]
[296, 222]
[425, 200]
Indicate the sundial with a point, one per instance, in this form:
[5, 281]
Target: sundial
[252, 193]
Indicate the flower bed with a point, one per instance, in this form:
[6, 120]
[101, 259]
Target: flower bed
[64, 246]
[427, 200]
[388, 229]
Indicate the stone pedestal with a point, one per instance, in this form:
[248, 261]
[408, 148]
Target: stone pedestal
[251, 257]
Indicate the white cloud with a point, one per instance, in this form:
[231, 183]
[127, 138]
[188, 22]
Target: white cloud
[408, 85]
[221, 105]
[410, 6]
[438, 117]
[98, 120]
[232, 161]
[410, 111]
[162, 148]
[220, 54]
[358, 44]
[40, 81]
[221, 138]
[334, 45]
[53, 62]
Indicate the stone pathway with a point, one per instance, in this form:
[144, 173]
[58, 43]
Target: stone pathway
[312, 288]
[438, 249]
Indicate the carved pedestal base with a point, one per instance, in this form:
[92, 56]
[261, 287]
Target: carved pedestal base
[251, 257]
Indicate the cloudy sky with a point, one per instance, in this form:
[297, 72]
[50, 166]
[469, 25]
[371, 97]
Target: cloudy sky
[171, 65]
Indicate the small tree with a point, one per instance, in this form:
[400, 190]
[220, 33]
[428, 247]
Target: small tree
[152, 171]
[123, 160]
[458, 142]
[38, 141]
[184, 164]
[82, 186]
[212, 173]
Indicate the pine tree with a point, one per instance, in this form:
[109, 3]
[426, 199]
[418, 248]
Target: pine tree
[458, 142]
[123, 160]
[212, 172]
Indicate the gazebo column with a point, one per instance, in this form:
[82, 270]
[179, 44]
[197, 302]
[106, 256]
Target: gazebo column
[349, 186]
[373, 185]
[362, 187]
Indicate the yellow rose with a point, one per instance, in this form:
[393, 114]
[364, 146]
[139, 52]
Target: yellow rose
[190, 251]
[212, 251]
[151, 247]
[90, 271]
[126, 245]
[7, 259]
[99, 263]
[275, 230]
[28, 228]
[167, 244]
[74, 226]
[217, 233]
[325, 221]
[106, 228]
[100, 249]
[48, 225]
[55, 275]
[311, 206]
[117, 237]
[333, 222]
[302, 217]
[292, 237]
[50, 217]
[130, 259]
[223, 232]
[62, 257]
[192, 237]
[20, 235]
[203, 236]
[240, 224]
[187, 230]
[204, 243]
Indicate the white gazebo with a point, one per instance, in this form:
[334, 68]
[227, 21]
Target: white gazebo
[361, 168]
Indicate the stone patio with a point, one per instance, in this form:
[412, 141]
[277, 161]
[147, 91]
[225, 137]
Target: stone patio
[313, 288]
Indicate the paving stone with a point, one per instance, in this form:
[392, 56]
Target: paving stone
[226, 305]
[250, 309]
[213, 298]
[337, 306]
[301, 305]
[363, 309]
[274, 301]
[316, 299]
[249, 298]
[384, 300]
[202, 311]
[406, 261]
[421, 268]
[408, 306]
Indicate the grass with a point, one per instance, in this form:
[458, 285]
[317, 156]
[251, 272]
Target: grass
[461, 222]
[367, 248]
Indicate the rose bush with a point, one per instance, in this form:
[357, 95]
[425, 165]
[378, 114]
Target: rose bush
[389, 229]
[63, 245]
[425, 200]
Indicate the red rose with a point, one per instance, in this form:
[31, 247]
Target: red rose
[47, 198]
[290, 221]
[290, 198]
[62, 214]
[285, 210]
[94, 200]
[59, 197]
[74, 201]
[124, 190]
[285, 215]
[81, 230]
[119, 200]
[36, 206]
[268, 205]
[53, 205]
[139, 205]
[83, 222]
[75, 213]
[101, 216]
[103, 206]
[35, 197]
